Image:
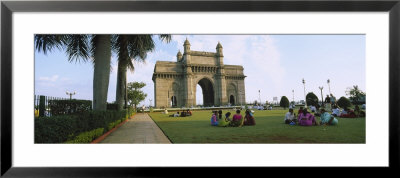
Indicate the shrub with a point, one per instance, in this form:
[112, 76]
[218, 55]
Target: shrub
[343, 102]
[311, 99]
[112, 106]
[87, 137]
[284, 102]
[59, 129]
[61, 107]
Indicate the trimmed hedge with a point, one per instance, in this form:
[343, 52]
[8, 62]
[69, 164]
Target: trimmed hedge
[62, 107]
[77, 128]
[112, 106]
[87, 137]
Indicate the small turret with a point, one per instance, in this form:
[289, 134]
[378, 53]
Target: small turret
[179, 56]
[186, 46]
[219, 49]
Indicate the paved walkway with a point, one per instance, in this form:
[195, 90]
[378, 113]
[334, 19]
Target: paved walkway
[140, 129]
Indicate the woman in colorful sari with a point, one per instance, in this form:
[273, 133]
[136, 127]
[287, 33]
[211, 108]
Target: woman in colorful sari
[237, 120]
[223, 122]
[306, 119]
[327, 119]
[249, 118]
[214, 120]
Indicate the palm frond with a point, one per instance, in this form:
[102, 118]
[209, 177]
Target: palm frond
[78, 47]
[140, 45]
[165, 38]
[47, 43]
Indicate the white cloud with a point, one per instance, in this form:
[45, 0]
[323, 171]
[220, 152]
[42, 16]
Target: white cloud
[49, 79]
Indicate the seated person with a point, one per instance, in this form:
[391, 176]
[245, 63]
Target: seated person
[223, 122]
[237, 120]
[347, 113]
[188, 113]
[312, 108]
[183, 114]
[300, 111]
[306, 119]
[249, 118]
[165, 111]
[327, 119]
[290, 117]
[214, 120]
[336, 111]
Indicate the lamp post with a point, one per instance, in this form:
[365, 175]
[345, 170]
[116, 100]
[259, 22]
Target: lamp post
[293, 96]
[70, 94]
[322, 96]
[305, 99]
[259, 96]
[329, 85]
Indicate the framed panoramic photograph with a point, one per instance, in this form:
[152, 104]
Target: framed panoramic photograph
[103, 88]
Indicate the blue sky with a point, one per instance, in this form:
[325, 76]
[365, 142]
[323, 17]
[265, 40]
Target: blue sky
[273, 64]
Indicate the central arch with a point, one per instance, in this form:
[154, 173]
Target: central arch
[208, 92]
[232, 100]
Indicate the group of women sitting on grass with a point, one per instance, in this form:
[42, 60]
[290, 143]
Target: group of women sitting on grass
[305, 118]
[237, 120]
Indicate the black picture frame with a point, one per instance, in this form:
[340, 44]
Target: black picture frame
[8, 7]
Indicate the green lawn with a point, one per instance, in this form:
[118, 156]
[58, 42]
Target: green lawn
[269, 128]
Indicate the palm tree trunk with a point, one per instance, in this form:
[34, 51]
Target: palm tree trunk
[101, 77]
[121, 83]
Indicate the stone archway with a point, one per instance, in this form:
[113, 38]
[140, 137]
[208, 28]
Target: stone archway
[198, 67]
[208, 92]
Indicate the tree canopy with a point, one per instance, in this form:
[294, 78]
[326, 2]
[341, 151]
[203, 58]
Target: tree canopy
[311, 99]
[284, 102]
[135, 95]
[343, 102]
[356, 95]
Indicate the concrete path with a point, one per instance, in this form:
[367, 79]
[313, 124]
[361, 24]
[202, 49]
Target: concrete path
[140, 129]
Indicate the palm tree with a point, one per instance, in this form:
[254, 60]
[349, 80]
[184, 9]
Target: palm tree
[84, 47]
[101, 51]
[128, 48]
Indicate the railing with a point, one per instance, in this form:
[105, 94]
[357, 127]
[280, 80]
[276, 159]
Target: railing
[41, 103]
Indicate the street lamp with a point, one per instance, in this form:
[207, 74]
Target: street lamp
[293, 96]
[329, 82]
[70, 94]
[305, 99]
[322, 96]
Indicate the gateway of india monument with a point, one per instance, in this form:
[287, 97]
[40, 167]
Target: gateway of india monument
[175, 82]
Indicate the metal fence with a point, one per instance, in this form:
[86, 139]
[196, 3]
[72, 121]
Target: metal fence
[41, 103]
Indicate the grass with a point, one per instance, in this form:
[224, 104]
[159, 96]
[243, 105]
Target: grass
[269, 128]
